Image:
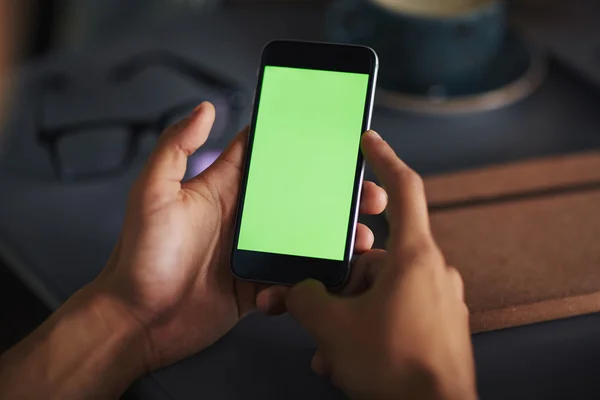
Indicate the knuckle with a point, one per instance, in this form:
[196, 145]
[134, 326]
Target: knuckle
[464, 310]
[455, 274]
[456, 282]
[147, 194]
[408, 178]
[294, 299]
[408, 183]
[151, 194]
[417, 366]
[412, 180]
[137, 189]
[423, 251]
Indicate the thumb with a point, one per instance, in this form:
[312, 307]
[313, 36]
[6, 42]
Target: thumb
[364, 272]
[313, 307]
[168, 162]
[225, 174]
[226, 171]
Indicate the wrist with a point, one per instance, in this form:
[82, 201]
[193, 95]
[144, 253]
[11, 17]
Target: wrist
[111, 317]
[86, 349]
[422, 382]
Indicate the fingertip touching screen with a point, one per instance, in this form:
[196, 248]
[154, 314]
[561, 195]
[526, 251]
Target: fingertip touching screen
[303, 163]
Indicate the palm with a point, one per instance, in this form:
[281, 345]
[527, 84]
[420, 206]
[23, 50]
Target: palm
[182, 247]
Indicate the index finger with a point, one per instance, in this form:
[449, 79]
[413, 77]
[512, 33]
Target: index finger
[407, 207]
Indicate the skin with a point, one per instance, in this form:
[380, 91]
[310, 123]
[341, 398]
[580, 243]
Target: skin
[166, 292]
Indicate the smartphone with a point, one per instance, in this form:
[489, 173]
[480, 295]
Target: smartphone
[303, 172]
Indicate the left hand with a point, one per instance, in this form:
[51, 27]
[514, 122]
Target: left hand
[169, 273]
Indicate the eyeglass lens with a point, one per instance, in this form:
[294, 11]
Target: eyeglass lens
[93, 150]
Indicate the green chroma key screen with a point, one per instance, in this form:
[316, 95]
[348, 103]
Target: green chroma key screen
[301, 176]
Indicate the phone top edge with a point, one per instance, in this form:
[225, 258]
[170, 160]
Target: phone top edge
[340, 57]
[317, 42]
[320, 43]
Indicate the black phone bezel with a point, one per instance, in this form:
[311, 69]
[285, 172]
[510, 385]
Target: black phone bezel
[287, 269]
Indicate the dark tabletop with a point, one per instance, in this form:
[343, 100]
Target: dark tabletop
[57, 237]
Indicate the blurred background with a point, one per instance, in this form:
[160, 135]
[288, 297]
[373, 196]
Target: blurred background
[494, 102]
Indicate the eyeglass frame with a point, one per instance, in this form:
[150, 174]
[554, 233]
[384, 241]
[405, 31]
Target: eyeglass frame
[58, 82]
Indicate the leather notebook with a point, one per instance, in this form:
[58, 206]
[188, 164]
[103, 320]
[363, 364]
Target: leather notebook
[525, 236]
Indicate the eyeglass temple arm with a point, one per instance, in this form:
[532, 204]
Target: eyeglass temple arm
[196, 72]
[54, 82]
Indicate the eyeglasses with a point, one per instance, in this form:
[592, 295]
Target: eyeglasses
[106, 147]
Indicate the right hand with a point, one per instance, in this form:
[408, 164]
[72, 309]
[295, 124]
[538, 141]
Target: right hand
[400, 329]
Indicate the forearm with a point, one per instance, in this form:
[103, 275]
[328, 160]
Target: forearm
[86, 349]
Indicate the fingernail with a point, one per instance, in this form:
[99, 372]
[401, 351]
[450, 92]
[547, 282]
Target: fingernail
[374, 134]
[199, 108]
